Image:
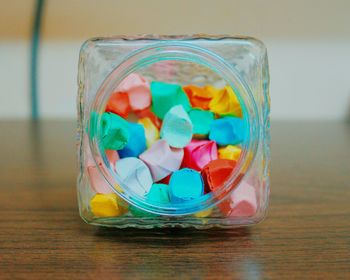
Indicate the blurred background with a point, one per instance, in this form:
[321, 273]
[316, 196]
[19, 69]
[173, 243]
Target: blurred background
[308, 44]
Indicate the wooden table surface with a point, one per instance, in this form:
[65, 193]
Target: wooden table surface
[306, 234]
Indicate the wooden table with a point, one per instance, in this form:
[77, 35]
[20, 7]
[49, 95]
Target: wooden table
[306, 234]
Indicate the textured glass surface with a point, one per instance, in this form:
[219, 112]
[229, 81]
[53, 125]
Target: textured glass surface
[101, 58]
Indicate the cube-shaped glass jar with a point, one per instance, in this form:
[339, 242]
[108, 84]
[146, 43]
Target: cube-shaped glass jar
[115, 192]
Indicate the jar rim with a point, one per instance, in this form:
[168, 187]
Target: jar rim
[178, 51]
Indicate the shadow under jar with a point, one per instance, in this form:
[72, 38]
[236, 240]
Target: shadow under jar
[173, 131]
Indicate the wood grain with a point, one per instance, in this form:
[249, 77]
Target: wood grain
[305, 236]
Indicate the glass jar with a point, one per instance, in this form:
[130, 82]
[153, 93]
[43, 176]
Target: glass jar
[173, 131]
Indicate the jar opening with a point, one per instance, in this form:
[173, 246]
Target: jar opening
[176, 62]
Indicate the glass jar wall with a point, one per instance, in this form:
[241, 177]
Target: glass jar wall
[173, 131]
